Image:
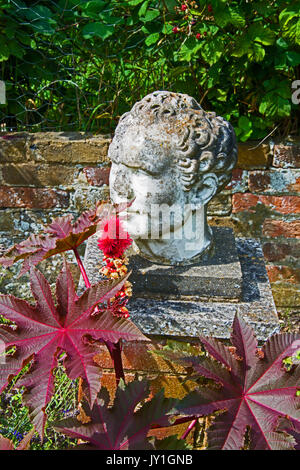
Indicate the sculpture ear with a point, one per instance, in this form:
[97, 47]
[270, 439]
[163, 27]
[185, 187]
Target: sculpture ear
[206, 189]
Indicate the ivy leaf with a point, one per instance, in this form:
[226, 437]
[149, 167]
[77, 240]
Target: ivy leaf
[59, 236]
[45, 330]
[122, 426]
[254, 389]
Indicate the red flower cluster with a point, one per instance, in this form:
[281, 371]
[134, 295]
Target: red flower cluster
[114, 240]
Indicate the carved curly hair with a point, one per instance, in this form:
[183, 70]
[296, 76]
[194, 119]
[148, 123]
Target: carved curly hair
[206, 142]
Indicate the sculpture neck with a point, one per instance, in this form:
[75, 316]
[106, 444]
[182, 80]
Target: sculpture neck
[183, 245]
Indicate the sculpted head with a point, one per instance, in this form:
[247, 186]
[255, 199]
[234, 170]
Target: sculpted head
[168, 152]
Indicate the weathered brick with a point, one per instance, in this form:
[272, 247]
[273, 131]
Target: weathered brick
[287, 155]
[97, 176]
[283, 273]
[68, 148]
[280, 204]
[275, 182]
[85, 198]
[281, 228]
[286, 294]
[38, 175]
[284, 251]
[239, 181]
[220, 205]
[256, 158]
[32, 198]
[13, 148]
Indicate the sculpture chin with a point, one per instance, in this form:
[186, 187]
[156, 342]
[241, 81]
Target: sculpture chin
[181, 244]
[175, 252]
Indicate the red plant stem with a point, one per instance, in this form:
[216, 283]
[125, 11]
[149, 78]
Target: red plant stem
[113, 348]
[82, 268]
[189, 428]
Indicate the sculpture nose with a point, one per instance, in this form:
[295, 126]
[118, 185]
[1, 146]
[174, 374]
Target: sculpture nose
[122, 183]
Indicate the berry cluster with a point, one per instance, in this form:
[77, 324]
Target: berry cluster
[190, 21]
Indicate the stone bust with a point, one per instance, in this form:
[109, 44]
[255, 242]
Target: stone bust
[171, 157]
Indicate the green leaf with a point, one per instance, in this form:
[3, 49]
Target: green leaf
[143, 8]
[241, 47]
[97, 29]
[290, 25]
[273, 105]
[244, 123]
[135, 2]
[293, 58]
[189, 48]
[256, 53]
[150, 15]
[212, 51]
[167, 28]
[259, 33]
[152, 39]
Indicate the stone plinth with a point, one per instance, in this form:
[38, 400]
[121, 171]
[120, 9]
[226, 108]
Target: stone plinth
[217, 276]
[187, 318]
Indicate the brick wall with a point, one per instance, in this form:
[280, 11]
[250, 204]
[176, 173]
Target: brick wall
[44, 175]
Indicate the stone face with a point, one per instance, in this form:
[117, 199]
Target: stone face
[171, 155]
[216, 276]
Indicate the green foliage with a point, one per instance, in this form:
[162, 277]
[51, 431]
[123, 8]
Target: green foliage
[79, 65]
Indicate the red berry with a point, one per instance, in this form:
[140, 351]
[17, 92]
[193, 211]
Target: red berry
[198, 36]
[175, 29]
[210, 8]
[183, 7]
[205, 33]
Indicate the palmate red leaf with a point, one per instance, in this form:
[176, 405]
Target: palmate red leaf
[254, 390]
[121, 427]
[45, 330]
[59, 236]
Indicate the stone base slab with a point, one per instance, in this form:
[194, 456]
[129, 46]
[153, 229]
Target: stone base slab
[188, 319]
[217, 276]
